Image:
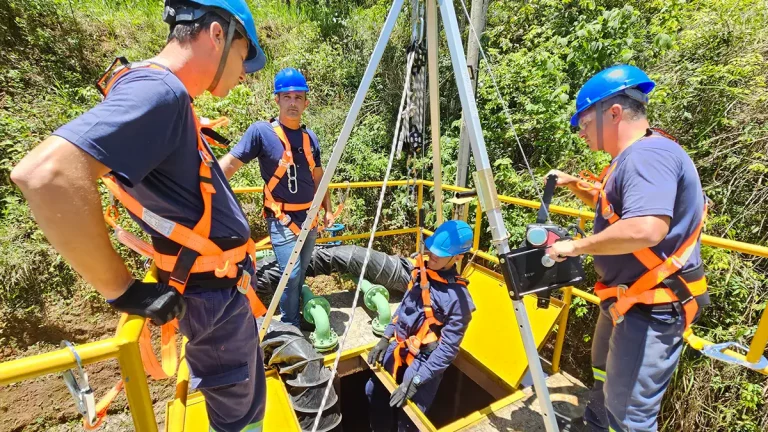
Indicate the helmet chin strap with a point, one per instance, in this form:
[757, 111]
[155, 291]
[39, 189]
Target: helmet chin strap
[599, 126]
[224, 54]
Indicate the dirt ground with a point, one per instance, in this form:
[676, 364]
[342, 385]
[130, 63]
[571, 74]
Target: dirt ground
[44, 403]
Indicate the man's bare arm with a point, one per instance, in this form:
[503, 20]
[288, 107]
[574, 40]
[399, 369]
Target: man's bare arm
[571, 182]
[623, 237]
[59, 182]
[317, 174]
[230, 164]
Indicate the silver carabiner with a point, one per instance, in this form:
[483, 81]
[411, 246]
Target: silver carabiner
[77, 384]
[293, 183]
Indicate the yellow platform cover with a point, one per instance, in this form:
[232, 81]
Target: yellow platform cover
[493, 338]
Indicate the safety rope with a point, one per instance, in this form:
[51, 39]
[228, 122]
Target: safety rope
[414, 124]
[343, 341]
[504, 106]
[396, 144]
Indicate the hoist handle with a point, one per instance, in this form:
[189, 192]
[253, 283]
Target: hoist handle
[546, 199]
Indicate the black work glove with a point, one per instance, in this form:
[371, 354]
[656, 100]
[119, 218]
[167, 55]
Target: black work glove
[406, 391]
[377, 353]
[157, 301]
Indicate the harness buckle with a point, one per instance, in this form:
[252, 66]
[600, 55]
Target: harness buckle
[207, 160]
[413, 345]
[607, 212]
[616, 316]
[221, 272]
[284, 219]
[244, 282]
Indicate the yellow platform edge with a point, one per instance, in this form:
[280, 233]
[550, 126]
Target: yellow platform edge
[501, 359]
[279, 417]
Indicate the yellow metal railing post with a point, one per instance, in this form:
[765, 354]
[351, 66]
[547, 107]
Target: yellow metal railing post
[178, 408]
[134, 378]
[478, 224]
[561, 326]
[419, 222]
[759, 340]
[560, 340]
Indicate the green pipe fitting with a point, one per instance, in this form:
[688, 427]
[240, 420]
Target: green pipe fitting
[317, 311]
[377, 300]
[264, 253]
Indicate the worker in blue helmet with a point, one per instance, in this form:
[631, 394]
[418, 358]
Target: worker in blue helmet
[650, 210]
[146, 137]
[426, 330]
[289, 162]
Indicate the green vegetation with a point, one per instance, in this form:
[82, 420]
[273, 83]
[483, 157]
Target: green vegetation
[708, 58]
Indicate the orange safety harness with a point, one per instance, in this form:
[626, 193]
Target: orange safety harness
[321, 227]
[198, 253]
[286, 165]
[663, 282]
[429, 332]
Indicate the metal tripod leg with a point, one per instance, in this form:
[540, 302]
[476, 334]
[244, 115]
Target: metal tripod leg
[490, 202]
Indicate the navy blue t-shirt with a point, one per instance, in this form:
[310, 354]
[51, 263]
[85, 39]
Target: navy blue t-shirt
[261, 142]
[145, 133]
[654, 177]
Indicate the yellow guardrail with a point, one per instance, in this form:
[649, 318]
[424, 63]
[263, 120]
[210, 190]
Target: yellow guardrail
[124, 347]
[759, 341]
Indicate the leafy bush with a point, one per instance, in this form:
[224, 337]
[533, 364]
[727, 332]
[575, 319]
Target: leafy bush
[708, 59]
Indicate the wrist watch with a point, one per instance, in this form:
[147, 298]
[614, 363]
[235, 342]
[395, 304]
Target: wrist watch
[416, 380]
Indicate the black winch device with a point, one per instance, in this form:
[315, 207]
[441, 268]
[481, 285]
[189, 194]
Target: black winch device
[528, 269]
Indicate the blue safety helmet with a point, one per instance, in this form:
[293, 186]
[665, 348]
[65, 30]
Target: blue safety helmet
[453, 237]
[620, 79]
[191, 10]
[290, 79]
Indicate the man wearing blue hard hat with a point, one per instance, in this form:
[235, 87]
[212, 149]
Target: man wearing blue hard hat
[146, 139]
[426, 330]
[289, 162]
[646, 243]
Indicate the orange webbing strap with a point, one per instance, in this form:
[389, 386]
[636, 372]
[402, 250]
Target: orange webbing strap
[655, 276]
[590, 182]
[257, 307]
[174, 231]
[425, 335]
[203, 263]
[285, 161]
[288, 206]
[103, 406]
[305, 145]
[134, 243]
[650, 297]
[212, 124]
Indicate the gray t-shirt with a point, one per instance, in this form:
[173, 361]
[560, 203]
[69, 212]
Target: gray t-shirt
[654, 177]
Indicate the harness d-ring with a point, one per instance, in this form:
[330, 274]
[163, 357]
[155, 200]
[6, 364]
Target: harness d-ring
[220, 272]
